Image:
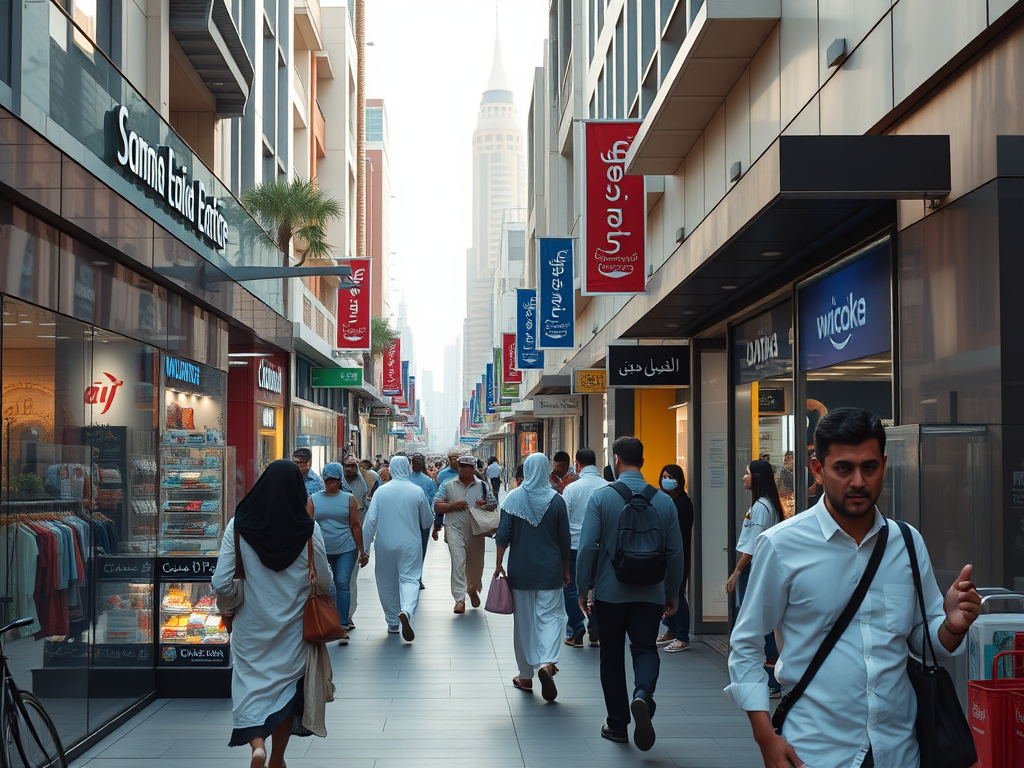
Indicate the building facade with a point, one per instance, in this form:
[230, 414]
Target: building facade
[829, 223]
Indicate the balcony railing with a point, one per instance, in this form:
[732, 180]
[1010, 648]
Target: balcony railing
[71, 93]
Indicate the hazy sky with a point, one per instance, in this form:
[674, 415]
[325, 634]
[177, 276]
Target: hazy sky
[430, 62]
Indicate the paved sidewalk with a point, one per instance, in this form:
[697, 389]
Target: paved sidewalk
[447, 701]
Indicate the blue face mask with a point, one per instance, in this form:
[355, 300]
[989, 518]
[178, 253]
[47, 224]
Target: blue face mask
[669, 484]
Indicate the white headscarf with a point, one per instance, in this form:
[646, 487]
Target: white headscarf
[530, 500]
[400, 468]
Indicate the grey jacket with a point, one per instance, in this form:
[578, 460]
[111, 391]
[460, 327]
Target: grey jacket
[598, 544]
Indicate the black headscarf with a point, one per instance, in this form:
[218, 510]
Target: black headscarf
[272, 517]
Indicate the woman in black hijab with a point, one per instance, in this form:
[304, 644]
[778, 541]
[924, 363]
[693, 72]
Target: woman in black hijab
[273, 536]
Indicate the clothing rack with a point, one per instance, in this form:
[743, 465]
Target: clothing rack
[42, 507]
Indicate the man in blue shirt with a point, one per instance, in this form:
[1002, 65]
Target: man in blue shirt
[303, 457]
[446, 474]
[633, 609]
[420, 478]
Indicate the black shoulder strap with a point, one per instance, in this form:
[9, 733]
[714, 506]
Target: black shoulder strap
[649, 493]
[622, 489]
[844, 618]
[239, 565]
[911, 550]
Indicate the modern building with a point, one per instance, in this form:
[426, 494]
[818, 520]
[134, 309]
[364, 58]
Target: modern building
[499, 183]
[378, 205]
[447, 426]
[145, 358]
[830, 221]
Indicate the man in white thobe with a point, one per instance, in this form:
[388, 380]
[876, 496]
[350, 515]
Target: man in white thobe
[397, 516]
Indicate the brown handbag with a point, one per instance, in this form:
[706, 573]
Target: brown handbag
[320, 622]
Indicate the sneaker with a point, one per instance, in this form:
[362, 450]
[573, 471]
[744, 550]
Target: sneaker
[774, 693]
[618, 738]
[576, 641]
[643, 730]
[349, 627]
[407, 632]
[666, 638]
[677, 646]
[393, 630]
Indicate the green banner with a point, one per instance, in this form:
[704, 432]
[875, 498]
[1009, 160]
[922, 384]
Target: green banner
[337, 377]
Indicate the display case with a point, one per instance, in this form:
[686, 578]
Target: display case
[192, 630]
[123, 620]
[194, 498]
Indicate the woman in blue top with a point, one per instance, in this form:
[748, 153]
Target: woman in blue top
[337, 512]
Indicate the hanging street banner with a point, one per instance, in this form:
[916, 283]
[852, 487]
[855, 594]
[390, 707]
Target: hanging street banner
[589, 381]
[354, 309]
[615, 223]
[648, 366]
[392, 384]
[527, 354]
[489, 389]
[499, 370]
[510, 374]
[556, 308]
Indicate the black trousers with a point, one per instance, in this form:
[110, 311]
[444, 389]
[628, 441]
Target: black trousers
[640, 621]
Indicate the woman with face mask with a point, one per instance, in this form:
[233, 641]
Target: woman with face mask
[677, 636]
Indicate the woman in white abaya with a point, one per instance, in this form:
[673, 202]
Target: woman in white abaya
[534, 526]
[398, 514]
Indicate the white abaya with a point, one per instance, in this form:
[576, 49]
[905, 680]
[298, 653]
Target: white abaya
[397, 516]
[538, 628]
[266, 637]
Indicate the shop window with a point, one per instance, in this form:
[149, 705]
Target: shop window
[845, 344]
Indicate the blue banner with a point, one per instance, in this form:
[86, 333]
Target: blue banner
[556, 308]
[527, 354]
[847, 315]
[405, 380]
[489, 386]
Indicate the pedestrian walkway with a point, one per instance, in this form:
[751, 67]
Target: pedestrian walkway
[447, 701]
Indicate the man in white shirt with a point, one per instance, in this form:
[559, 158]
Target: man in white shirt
[576, 496]
[859, 709]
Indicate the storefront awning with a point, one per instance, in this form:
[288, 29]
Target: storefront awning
[803, 192]
[550, 384]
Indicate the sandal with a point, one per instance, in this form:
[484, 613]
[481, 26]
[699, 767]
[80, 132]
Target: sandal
[517, 682]
[547, 682]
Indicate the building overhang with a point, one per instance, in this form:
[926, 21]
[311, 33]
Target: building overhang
[718, 47]
[307, 25]
[207, 34]
[803, 192]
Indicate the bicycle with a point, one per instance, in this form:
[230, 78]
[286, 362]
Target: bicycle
[28, 737]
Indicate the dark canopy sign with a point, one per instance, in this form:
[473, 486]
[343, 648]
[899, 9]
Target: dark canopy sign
[632, 366]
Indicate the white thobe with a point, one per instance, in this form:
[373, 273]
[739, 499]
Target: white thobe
[397, 516]
[266, 637]
[538, 628]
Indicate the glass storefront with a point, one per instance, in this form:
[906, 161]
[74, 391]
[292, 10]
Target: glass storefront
[316, 429]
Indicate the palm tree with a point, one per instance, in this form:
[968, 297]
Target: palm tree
[381, 334]
[297, 209]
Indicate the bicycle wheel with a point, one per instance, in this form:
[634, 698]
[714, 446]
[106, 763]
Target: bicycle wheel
[29, 736]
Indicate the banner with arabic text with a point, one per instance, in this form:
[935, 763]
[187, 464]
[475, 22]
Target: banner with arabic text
[392, 384]
[510, 374]
[527, 354]
[556, 302]
[354, 309]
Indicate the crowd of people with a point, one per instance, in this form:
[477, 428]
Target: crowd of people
[595, 556]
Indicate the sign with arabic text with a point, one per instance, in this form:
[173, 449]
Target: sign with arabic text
[336, 378]
[614, 254]
[354, 309]
[392, 382]
[589, 381]
[556, 305]
[489, 389]
[648, 366]
[527, 354]
[510, 374]
[557, 405]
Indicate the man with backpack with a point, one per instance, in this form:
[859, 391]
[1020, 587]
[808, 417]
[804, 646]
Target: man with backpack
[631, 552]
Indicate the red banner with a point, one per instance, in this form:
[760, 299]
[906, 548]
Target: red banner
[392, 369]
[354, 309]
[510, 374]
[616, 213]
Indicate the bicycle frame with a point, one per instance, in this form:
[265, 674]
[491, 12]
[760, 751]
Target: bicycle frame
[11, 700]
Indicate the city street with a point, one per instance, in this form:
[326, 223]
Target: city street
[446, 700]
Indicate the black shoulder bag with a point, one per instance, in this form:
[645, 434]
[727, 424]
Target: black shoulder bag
[942, 731]
[790, 698]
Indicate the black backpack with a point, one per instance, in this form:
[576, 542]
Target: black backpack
[640, 552]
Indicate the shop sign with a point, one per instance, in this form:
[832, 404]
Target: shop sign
[510, 374]
[771, 400]
[589, 381]
[269, 376]
[527, 354]
[103, 392]
[380, 411]
[186, 568]
[648, 366]
[181, 370]
[847, 314]
[157, 168]
[509, 391]
[392, 368]
[192, 655]
[114, 568]
[615, 210]
[528, 426]
[354, 309]
[335, 378]
[268, 418]
[557, 405]
[555, 294]
[763, 346]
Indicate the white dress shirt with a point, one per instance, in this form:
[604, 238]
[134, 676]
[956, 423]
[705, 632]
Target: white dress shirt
[576, 496]
[804, 572]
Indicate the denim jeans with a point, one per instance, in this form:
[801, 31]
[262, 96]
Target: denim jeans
[679, 622]
[342, 566]
[571, 594]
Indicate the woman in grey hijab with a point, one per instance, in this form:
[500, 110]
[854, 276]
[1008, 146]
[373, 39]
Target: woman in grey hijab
[535, 525]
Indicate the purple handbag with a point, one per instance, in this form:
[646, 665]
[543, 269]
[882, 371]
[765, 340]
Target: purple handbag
[499, 597]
